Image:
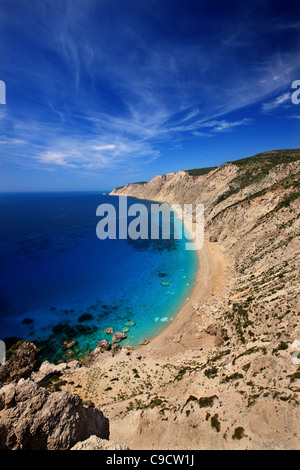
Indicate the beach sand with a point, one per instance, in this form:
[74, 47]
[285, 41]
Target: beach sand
[182, 332]
[115, 384]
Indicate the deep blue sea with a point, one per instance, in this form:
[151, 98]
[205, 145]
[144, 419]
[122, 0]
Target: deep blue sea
[58, 280]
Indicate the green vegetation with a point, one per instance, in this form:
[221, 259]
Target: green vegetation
[288, 199]
[234, 376]
[53, 384]
[211, 373]
[26, 346]
[203, 402]
[215, 423]
[136, 374]
[239, 433]
[269, 159]
[200, 171]
[281, 347]
[138, 182]
[253, 169]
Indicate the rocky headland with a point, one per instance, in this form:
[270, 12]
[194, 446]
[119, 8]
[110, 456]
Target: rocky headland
[225, 374]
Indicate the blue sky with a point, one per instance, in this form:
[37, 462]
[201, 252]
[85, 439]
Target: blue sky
[104, 92]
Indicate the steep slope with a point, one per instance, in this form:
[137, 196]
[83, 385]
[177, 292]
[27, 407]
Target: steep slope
[252, 210]
[252, 213]
[225, 374]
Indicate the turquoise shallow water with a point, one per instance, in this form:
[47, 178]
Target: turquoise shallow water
[60, 281]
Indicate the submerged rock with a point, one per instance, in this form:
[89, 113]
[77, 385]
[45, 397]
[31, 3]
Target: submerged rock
[59, 328]
[129, 323]
[109, 331]
[84, 317]
[32, 418]
[27, 321]
[69, 354]
[68, 344]
[118, 336]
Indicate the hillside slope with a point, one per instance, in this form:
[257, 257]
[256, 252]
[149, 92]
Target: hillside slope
[252, 212]
[225, 373]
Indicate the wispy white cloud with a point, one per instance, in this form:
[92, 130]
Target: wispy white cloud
[277, 102]
[108, 95]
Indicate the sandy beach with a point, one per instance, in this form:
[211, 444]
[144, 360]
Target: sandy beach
[180, 334]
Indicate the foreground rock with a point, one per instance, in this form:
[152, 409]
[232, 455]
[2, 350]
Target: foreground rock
[104, 345]
[95, 443]
[21, 361]
[48, 370]
[233, 379]
[32, 418]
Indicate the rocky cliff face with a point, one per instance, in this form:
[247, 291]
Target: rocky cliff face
[232, 380]
[247, 386]
[252, 210]
[32, 418]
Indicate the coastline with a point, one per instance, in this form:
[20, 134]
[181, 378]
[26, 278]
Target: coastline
[182, 333]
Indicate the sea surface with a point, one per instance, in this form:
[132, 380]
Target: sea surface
[59, 281]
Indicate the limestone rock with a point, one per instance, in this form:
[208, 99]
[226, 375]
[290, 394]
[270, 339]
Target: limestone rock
[32, 418]
[47, 370]
[68, 344]
[118, 336]
[95, 443]
[177, 338]
[103, 345]
[21, 361]
[144, 342]
[116, 347]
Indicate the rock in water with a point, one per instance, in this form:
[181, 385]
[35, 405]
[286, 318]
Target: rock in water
[118, 336]
[130, 323]
[32, 418]
[103, 345]
[68, 344]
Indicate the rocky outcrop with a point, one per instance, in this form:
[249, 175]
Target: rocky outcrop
[32, 418]
[237, 386]
[118, 336]
[104, 345]
[252, 211]
[248, 328]
[21, 361]
[48, 370]
[95, 443]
